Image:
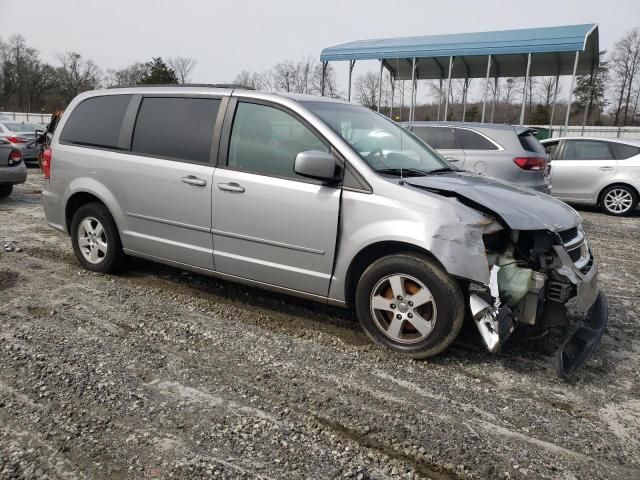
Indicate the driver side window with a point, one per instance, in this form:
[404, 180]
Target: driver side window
[266, 140]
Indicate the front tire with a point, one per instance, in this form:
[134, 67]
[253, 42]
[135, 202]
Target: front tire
[5, 190]
[95, 239]
[619, 200]
[408, 304]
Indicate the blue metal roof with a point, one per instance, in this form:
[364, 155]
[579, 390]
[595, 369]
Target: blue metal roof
[552, 49]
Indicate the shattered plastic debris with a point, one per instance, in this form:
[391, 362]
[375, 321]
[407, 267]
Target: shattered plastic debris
[10, 246]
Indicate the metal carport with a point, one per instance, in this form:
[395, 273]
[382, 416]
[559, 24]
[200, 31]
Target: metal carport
[564, 50]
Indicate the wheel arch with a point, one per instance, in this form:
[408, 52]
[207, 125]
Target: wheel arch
[376, 251]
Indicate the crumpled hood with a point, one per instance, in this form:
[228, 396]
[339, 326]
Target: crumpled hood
[520, 208]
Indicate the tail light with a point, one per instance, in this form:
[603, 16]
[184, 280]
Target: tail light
[531, 163]
[45, 164]
[15, 139]
[15, 157]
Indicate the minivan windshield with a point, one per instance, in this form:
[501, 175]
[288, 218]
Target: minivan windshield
[387, 147]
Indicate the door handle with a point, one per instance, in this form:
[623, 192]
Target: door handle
[453, 159]
[231, 187]
[191, 180]
[606, 169]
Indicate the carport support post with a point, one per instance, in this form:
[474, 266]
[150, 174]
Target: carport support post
[464, 98]
[495, 97]
[526, 87]
[553, 106]
[486, 88]
[413, 89]
[402, 101]
[446, 101]
[393, 90]
[324, 72]
[380, 85]
[573, 84]
[439, 98]
[352, 63]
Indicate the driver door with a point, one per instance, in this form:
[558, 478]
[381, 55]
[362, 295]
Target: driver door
[270, 224]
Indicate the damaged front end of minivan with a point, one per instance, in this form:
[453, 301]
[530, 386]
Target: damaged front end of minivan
[541, 271]
[534, 275]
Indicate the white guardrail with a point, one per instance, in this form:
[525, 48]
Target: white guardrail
[41, 118]
[631, 133]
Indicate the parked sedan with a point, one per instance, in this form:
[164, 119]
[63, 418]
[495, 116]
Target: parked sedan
[21, 135]
[596, 171]
[506, 152]
[12, 169]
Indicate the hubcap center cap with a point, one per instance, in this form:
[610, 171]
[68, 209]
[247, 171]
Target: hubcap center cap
[403, 307]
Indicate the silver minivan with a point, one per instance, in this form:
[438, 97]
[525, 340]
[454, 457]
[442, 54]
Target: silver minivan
[324, 200]
[506, 152]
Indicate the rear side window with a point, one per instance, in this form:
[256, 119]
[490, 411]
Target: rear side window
[622, 151]
[470, 140]
[530, 143]
[97, 122]
[586, 150]
[440, 138]
[176, 128]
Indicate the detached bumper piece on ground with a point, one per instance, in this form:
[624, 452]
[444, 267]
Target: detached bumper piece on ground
[583, 341]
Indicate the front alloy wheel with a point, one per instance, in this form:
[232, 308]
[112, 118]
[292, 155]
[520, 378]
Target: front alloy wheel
[407, 303]
[403, 308]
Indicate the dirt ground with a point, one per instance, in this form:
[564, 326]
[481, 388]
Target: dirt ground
[161, 373]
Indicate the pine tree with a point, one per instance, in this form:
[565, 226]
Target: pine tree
[158, 73]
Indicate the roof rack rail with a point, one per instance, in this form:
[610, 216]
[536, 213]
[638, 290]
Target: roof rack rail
[187, 85]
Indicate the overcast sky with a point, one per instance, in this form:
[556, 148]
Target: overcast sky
[226, 37]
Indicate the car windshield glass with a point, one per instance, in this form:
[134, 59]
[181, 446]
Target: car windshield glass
[384, 145]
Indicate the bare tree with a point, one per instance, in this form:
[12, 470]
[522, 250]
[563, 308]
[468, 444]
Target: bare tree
[253, 80]
[76, 75]
[182, 66]
[625, 66]
[366, 88]
[131, 75]
[511, 87]
[546, 89]
[25, 77]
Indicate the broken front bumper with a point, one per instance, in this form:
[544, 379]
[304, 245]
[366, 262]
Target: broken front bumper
[545, 304]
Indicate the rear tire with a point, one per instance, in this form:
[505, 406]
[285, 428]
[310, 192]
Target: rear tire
[95, 239]
[5, 190]
[408, 304]
[619, 200]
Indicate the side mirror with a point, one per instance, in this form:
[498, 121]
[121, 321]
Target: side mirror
[315, 164]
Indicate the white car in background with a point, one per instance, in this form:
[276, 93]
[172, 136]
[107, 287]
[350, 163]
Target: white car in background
[596, 171]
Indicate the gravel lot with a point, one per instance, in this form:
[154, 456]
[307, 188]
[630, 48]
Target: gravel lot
[161, 373]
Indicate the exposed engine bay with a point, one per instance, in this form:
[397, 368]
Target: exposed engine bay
[533, 275]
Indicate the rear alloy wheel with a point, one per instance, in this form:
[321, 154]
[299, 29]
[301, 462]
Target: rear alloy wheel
[5, 190]
[619, 200]
[95, 239]
[410, 305]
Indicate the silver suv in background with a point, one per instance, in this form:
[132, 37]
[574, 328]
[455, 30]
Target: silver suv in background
[321, 199]
[506, 152]
[596, 171]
